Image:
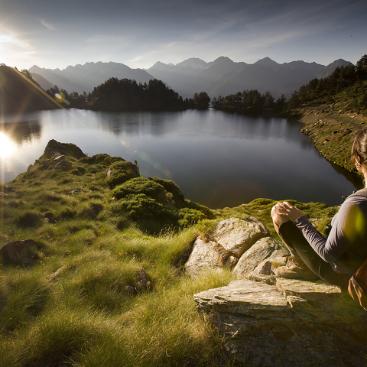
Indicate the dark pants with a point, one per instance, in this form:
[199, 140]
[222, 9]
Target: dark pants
[297, 244]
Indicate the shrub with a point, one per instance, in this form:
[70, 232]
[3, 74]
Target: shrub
[187, 217]
[148, 213]
[121, 171]
[92, 210]
[140, 185]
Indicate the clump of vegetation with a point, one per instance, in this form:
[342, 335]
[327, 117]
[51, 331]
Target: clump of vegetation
[121, 171]
[140, 185]
[188, 217]
[107, 285]
[30, 218]
[22, 297]
[156, 204]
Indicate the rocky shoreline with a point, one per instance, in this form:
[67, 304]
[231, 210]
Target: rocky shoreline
[332, 134]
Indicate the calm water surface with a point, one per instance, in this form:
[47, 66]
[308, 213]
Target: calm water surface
[217, 159]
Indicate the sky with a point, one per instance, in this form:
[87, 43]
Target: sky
[138, 33]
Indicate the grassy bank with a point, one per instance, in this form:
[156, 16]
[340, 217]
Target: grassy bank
[106, 285]
[332, 133]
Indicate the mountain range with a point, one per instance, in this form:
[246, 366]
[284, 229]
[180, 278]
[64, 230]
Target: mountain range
[219, 77]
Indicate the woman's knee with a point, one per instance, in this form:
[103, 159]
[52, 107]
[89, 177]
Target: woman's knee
[277, 218]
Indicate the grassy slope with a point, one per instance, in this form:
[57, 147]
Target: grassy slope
[83, 315]
[332, 126]
[19, 94]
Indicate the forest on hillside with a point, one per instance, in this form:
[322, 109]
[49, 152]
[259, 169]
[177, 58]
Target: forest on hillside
[118, 95]
[346, 83]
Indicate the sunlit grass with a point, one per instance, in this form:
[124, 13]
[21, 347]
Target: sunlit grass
[81, 304]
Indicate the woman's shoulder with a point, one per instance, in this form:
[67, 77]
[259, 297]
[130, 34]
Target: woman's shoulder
[358, 196]
[354, 207]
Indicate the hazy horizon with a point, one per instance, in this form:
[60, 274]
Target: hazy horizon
[138, 33]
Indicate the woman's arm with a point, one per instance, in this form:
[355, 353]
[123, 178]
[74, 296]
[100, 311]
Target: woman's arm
[327, 248]
[346, 229]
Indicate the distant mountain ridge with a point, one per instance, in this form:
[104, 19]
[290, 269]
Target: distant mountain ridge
[224, 76]
[219, 77]
[83, 78]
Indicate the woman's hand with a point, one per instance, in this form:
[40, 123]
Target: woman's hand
[289, 211]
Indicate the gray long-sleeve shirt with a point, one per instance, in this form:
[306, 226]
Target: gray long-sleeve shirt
[346, 245]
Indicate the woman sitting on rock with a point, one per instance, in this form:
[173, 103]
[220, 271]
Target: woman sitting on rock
[335, 258]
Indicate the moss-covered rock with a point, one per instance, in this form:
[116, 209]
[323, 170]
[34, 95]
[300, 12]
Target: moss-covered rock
[121, 171]
[156, 204]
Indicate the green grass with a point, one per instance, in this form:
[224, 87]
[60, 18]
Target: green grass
[82, 304]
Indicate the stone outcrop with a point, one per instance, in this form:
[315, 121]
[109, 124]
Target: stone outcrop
[205, 255]
[225, 245]
[57, 149]
[237, 235]
[275, 314]
[22, 253]
[245, 247]
[289, 323]
[265, 251]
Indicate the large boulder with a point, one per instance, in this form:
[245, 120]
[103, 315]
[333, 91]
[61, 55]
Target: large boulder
[264, 251]
[237, 235]
[268, 258]
[205, 255]
[290, 323]
[22, 253]
[225, 244]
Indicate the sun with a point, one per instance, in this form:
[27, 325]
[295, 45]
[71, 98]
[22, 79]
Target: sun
[7, 146]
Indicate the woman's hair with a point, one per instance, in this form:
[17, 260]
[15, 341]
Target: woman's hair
[359, 147]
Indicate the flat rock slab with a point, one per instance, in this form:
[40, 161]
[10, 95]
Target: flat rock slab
[289, 323]
[243, 297]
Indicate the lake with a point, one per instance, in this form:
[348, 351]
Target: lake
[216, 158]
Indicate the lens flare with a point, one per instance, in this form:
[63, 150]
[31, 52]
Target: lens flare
[7, 146]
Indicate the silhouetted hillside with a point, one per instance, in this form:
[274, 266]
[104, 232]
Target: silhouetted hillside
[18, 94]
[345, 89]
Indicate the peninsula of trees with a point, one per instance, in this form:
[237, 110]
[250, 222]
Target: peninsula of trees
[119, 95]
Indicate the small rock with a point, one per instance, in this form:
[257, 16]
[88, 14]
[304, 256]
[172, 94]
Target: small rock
[23, 253]
[143, 281]
[58, 272]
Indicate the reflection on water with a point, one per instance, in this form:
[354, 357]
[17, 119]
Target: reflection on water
[21, 131]
[7, 146]
[216, 158]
